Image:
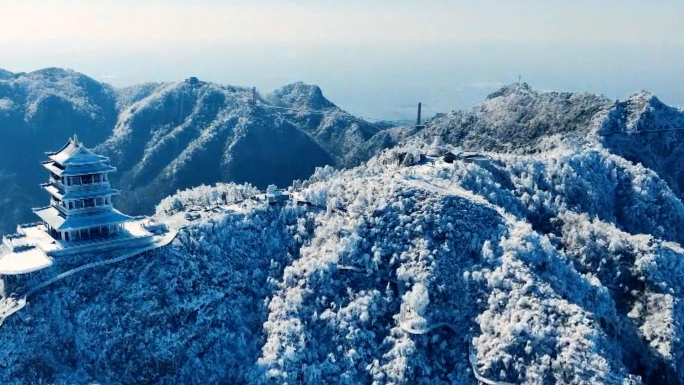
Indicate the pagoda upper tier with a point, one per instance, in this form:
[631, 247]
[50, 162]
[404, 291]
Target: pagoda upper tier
[76, 159]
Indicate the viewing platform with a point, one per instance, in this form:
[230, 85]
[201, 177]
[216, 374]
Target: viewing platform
[32, 248]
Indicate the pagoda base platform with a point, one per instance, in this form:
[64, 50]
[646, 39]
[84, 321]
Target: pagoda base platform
[15, 289]
[32, 248]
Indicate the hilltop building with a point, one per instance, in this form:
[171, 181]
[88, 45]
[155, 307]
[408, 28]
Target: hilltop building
[80, 218]
[81, 196]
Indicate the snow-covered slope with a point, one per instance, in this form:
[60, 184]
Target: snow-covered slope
[519, 120]
[339, 132]
[56, 102]
[184, 134]
[4, 74]
[645, 130]
[558, 268]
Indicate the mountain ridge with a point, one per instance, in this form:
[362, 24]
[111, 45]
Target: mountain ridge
[154, 130]
[159, 135]
[519, 120]
[4, 74]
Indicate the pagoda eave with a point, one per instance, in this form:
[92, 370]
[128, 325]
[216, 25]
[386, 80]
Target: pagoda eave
[84, 161]
[59, 222]
[75, 170]
[74, 153]
[53, 190]
[82, 194]
[89, 169]
[51, 166]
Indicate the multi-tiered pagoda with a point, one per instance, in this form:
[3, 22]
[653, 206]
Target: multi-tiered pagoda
[81, 196]
[80, 218]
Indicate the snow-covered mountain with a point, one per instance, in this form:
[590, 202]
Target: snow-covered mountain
[190, 133]
[645, 130]
[168, 136]
[549, 255]
[519, 120]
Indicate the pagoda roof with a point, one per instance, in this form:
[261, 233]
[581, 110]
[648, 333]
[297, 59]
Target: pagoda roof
[74, 222]
[79, 194]
[74, 152]
[92, 168]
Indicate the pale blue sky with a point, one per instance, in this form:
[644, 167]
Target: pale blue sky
[373, 58]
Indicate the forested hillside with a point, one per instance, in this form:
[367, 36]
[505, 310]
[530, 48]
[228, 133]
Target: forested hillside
[564, 268]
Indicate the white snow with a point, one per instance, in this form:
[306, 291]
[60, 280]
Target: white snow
[24, 261]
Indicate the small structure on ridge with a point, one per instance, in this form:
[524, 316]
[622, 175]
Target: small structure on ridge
[449, 157]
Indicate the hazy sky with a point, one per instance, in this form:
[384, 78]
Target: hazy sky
[373, 58]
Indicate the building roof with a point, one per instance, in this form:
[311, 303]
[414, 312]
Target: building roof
[59, 222]
[74, 152]
[79, 194]
[92, 168]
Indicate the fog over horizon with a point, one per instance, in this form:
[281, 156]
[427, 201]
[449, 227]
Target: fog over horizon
[375, 59]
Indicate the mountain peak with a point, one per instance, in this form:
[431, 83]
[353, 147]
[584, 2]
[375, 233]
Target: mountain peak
[55, 71]
[4, 74]
[510, 89]
[643, 99]
[300, 94]
[63, 76]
